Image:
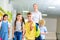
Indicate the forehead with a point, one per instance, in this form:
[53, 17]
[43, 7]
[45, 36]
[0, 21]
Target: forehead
[35, 5]
[19, 15]
[6, 16]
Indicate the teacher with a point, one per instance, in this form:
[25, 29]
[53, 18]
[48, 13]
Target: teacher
[36, 17]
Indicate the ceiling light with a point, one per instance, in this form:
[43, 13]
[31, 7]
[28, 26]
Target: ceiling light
[25, 11]
[51, 7]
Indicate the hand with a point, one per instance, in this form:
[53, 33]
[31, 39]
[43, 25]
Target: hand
[12, 36]
[43, 33]
[31, 27]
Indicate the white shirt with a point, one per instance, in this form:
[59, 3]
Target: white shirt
[43, 29]
[36, 16]
[18, 26]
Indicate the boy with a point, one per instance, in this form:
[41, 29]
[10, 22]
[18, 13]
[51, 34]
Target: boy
[43, 29]
[30, 28]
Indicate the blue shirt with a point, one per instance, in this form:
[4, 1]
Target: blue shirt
[43, 29]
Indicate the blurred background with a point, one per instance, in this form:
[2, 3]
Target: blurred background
[50, 10]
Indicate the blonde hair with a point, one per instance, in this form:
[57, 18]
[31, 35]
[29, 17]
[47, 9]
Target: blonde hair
[42, 22]
[35, 4]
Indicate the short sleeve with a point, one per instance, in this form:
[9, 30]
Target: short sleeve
[45, 29]
[9, 24]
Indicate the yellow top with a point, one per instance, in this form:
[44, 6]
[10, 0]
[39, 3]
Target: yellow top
[30, 34]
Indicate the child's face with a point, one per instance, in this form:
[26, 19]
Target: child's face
[0, 18]
[41, 24]
[6, 18]
[29, 17]
[19, 17]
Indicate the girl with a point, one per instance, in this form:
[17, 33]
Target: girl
[4, 27]
[43, 29]
[0, 27]
[18, 27]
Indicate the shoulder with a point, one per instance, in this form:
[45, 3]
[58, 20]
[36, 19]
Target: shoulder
[44, 27]
[39, 13]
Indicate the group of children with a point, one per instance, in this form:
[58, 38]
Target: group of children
[28, 30]
[23, 30]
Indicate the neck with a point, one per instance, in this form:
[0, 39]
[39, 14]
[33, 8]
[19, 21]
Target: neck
[30, 21]
[36, 10]
[19, 20]
[5, 20]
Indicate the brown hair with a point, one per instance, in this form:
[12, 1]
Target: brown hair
[16, 20]
[35, 4]
[29, 13]
[4, 16]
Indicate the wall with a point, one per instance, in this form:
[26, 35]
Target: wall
[51, 24]
[58, 28]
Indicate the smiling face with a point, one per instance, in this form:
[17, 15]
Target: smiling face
[6, 18]
[19, 17]
[29, 17]
[35, 6]
[42, 22]
[0, 18]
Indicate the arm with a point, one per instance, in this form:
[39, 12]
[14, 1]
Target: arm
[45, 31]
[40, 16]
[12, 32]
[9, 29]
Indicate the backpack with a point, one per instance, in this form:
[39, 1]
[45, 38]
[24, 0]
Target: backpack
[37, 31]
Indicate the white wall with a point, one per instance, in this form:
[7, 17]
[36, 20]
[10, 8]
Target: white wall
[58, 28]
[51, 24]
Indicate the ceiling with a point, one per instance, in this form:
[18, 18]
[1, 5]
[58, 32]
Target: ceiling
[49, 7]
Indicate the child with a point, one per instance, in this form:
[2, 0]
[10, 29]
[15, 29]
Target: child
[0, 22]
[4, 27]
[18, 26]
[0, 27]
[43, 29]
[30, 28]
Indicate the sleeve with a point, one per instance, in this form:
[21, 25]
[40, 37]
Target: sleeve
[45, 29]
[9, 24]
[40, 17]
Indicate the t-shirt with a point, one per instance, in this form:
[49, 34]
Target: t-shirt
[36, 16]
[6, 21]
[43, 29]
[18, 26]
[30, 34]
